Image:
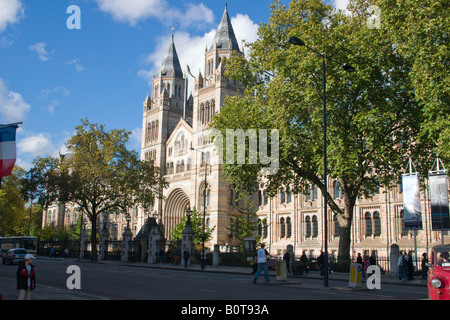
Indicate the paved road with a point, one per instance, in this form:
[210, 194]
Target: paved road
[114, 281]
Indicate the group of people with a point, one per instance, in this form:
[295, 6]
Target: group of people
[366, 262]
[406, 266]
[167, 257]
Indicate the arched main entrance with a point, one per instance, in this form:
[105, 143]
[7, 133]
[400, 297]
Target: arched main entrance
[177, 203]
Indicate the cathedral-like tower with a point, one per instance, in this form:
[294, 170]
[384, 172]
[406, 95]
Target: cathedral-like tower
[173, 126]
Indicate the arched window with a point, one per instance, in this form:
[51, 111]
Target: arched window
[283, 228]
[314, 195]
[260, 199]
[368, 220]
[288, 227]
[288, 195]
[377, 224]
[283, 195]
[308, 193]
[308, 227]
[315, 227]
[336, 189]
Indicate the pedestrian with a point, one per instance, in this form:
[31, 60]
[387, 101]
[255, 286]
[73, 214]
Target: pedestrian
[359, 259]
[329, 264]
[321, 262]
[401, 264]
[26, 278]
[262, 264]
[66, 253]
[287, 258]
[52, 252]
[424, 266]
[161, 256]
[186, 256]
[410, 267]
[304, 259]
[366, 264]
[373, 259]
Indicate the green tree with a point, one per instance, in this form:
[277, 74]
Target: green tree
[197, 227]
[419, 30]
[13, 213]
[100, 175]
[373, 119]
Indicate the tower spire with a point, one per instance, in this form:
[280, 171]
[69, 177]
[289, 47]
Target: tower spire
[171, 65]
[225, 37]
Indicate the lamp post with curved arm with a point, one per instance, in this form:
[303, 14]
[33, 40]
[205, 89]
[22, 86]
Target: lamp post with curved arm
[298, 42]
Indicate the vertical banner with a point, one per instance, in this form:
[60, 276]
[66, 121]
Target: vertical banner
[7, 149]
[440, 219]
[411, 202]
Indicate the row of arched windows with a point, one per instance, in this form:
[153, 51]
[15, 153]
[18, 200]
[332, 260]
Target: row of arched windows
[179, 167]
[151, 131]
[206, 112]
[150, 155]
[177, 92]
[311, 194]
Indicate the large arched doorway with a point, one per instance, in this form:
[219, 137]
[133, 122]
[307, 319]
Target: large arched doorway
[177, 203]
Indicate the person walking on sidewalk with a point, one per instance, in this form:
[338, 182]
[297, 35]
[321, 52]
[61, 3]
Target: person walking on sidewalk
[262, 264]
[186, 256]
[26, 278]
[401, 264]
[287, 258]
[304, 259]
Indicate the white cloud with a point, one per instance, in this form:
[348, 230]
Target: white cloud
[11, 11]
[36, 145]
[244, 28]
[78, 67]
[40, 49]
[31, 145]
[134, 11]
[13, 107]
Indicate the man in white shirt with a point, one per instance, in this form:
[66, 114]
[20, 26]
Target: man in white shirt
[262, 264]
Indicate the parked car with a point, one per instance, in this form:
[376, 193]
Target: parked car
[14, 256]
[439, 273]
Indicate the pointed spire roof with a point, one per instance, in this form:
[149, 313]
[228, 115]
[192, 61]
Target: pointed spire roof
[225, 37]
[171, 65]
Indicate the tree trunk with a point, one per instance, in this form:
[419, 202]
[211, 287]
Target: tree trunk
[345, 224]
[94, 238]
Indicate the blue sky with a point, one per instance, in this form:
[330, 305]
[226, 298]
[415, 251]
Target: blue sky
[51, 77]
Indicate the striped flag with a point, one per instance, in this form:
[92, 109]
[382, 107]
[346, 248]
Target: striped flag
[7, 149]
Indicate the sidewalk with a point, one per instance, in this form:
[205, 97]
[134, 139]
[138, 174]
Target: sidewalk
[337, 276]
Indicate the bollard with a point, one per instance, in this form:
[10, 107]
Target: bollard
[281, 270]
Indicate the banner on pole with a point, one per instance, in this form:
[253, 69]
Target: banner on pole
[411, 202]
[440, 219]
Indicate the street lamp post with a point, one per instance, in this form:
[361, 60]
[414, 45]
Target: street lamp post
[298, 42]
[203, 261]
